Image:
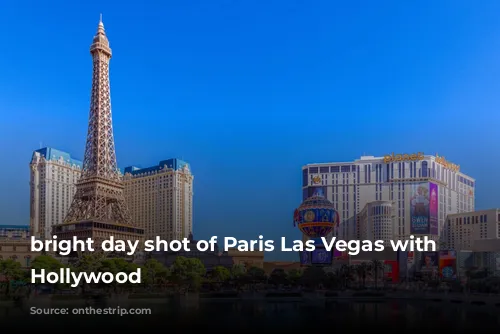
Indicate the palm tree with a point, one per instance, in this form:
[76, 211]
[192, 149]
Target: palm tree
[363, 270]
[337, 279]
[376, 266]
[346, 272]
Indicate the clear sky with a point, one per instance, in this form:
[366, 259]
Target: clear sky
[249, 91]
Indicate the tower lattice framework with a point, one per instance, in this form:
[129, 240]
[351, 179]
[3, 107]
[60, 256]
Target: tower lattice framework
[99, 191]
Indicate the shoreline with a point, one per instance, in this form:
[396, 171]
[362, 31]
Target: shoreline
[275, 297]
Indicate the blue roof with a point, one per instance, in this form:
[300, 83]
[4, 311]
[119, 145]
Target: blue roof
[54, 154]
[15, 227]
[174, 164]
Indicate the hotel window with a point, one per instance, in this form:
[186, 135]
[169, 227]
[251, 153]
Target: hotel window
[313, 170]
[304, 178]
[424, 168]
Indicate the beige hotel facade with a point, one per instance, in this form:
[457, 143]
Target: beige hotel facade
[159, 198]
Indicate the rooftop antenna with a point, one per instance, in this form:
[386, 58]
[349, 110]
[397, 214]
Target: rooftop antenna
[100, 17]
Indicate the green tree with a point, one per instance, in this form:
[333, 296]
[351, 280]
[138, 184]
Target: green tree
[376, 267]
[48, 263]
[109, 265]
[112, 265]
[89, 263]
[11, 270]
[335, 279]
[154, 271]
[293, 276]
[256, 274]
[313, 277]
[237, 271]
[346, 272]
[238, 275]
[363, 270]
[188, 271]
[220, 274]
[278, 277]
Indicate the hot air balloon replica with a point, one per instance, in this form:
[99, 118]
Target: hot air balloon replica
[316, 217]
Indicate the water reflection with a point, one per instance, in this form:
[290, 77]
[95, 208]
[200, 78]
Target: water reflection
[403, 315]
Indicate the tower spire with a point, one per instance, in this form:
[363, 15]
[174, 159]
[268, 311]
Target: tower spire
[100, 41]
[99, 209]
[99, 194]
[100, 26]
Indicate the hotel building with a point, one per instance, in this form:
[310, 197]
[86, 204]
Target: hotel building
[473, 231]
[421, 191]
[53, 174]
[247, 259]
[160, 198]
[15, 244]
[376, 221]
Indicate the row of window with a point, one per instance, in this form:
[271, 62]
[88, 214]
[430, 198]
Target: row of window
[436, 171]
[469, 220]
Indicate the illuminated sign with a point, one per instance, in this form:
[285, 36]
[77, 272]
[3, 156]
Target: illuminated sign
[446, 164]
[403, 157]
[316, 180]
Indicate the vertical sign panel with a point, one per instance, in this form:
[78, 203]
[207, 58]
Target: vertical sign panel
[419, 209]
[433, 209]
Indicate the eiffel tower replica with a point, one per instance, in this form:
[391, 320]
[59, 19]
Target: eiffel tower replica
[99, 210]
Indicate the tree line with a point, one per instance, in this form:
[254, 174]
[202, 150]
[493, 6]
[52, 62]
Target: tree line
[191, 274]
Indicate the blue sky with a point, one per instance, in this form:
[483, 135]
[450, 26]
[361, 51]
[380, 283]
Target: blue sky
[249, 91]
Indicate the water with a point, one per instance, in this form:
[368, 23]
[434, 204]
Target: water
[229, 315]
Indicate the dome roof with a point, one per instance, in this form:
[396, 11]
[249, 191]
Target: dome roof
[316, 202]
